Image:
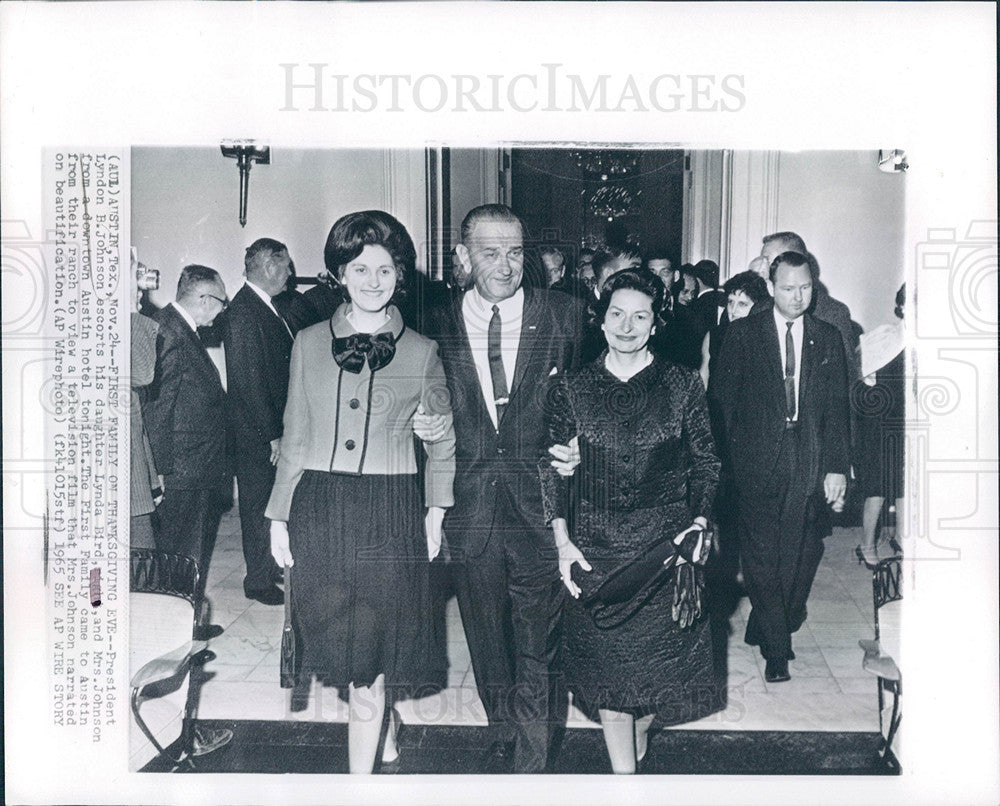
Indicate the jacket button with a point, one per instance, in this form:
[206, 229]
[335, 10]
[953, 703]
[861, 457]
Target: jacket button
[626, 459]
[349, 444]
[354, 403]
[501, 451]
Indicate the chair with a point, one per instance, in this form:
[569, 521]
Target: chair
[162, 610]
[881, 653]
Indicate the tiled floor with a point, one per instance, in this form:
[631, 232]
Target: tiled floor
[828, 690]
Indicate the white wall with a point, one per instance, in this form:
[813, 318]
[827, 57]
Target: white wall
[851, 216]
[185, 205]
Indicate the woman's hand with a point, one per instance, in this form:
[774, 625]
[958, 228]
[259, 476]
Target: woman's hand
[279, 545]
[429, 427]
[568, 554]
[432, 527]
[567, 457]
[699, 524]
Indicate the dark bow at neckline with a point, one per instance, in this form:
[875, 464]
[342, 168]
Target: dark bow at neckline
[351, 352]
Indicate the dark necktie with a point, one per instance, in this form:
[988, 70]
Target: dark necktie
[496, 363]
[789, 372]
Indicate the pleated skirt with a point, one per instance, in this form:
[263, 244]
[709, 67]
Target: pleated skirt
[360, 592]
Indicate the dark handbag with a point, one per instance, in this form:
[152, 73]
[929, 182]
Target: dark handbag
[290, 659]
[631, 585]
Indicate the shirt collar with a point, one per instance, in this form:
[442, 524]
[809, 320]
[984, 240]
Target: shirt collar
[260, 293]
[342, 325]
[781, 321]
[509, 308]
[185, 315]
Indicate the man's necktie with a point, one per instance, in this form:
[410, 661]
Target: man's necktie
[789, 372]
[496, 363]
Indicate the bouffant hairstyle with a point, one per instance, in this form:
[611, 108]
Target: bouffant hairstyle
[641, 280]
[750, 283]
[353, 232]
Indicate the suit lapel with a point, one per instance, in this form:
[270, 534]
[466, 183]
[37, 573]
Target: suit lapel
[199, 348]
[808, 356]
[771, 356]
[463, 354]
[527, 347]
[265, 314]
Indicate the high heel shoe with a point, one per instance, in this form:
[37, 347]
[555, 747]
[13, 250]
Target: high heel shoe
[395, 727]
[863, 560]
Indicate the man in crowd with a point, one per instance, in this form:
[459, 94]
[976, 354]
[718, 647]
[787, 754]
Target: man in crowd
[683, 344]
[709, 300]
[500, 342]
[825, 308]
[780, 387]
[660, 265]
[258, 352]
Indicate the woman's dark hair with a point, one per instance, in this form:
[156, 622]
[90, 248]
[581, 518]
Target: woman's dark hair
[750, 283]
[900, 301]
[641, 280]
[353, 232]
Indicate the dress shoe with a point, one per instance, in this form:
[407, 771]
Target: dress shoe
[207, 740]
[206, 632]
[776, 670]
[499, 758]
[269, 596]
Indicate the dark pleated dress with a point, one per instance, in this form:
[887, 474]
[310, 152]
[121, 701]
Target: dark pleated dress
[360, 597]
[648, 468]
[881, 428]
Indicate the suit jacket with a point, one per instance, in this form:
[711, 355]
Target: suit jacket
[185, 410]
[360, 423]
[496, 475]
[258, 352]
[747, 389]
[706, 309]
[833, 311]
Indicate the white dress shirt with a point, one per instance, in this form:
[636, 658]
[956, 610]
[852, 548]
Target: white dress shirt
[797, 330]
[267, 301]
[477, 312]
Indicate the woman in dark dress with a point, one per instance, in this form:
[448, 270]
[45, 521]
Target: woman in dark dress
[648, 469]
[346, 503]
[880, 405]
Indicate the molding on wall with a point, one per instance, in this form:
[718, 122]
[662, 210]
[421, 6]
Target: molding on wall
[749, 207]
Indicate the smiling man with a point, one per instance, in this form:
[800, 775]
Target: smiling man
[500, 342]
[780, 387]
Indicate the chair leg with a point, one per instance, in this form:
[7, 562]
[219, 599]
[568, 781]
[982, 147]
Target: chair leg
[894, 719]
[136, 701]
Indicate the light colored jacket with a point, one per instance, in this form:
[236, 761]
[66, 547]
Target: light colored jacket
[361, 423]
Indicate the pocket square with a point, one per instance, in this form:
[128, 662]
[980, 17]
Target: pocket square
[553, 371]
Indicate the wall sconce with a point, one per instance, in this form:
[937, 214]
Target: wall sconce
[892, 160]
[246, 154]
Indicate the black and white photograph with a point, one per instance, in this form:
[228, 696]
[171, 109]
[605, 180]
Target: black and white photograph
[521, 424]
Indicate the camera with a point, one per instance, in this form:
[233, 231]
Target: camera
[147, 279]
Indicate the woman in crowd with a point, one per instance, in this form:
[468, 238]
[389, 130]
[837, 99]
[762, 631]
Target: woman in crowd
[879, 402]
[742, 291]
[347, 514]
[647, 470]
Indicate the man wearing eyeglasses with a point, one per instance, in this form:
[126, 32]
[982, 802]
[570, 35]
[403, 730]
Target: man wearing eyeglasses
[185, 418]
[258, 353]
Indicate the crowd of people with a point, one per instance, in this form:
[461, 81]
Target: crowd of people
[547, 427]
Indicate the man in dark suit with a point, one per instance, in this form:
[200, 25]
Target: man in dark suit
[824, 307]
[500, 342]
[258, 353]
[780, 386]
[184, 413]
